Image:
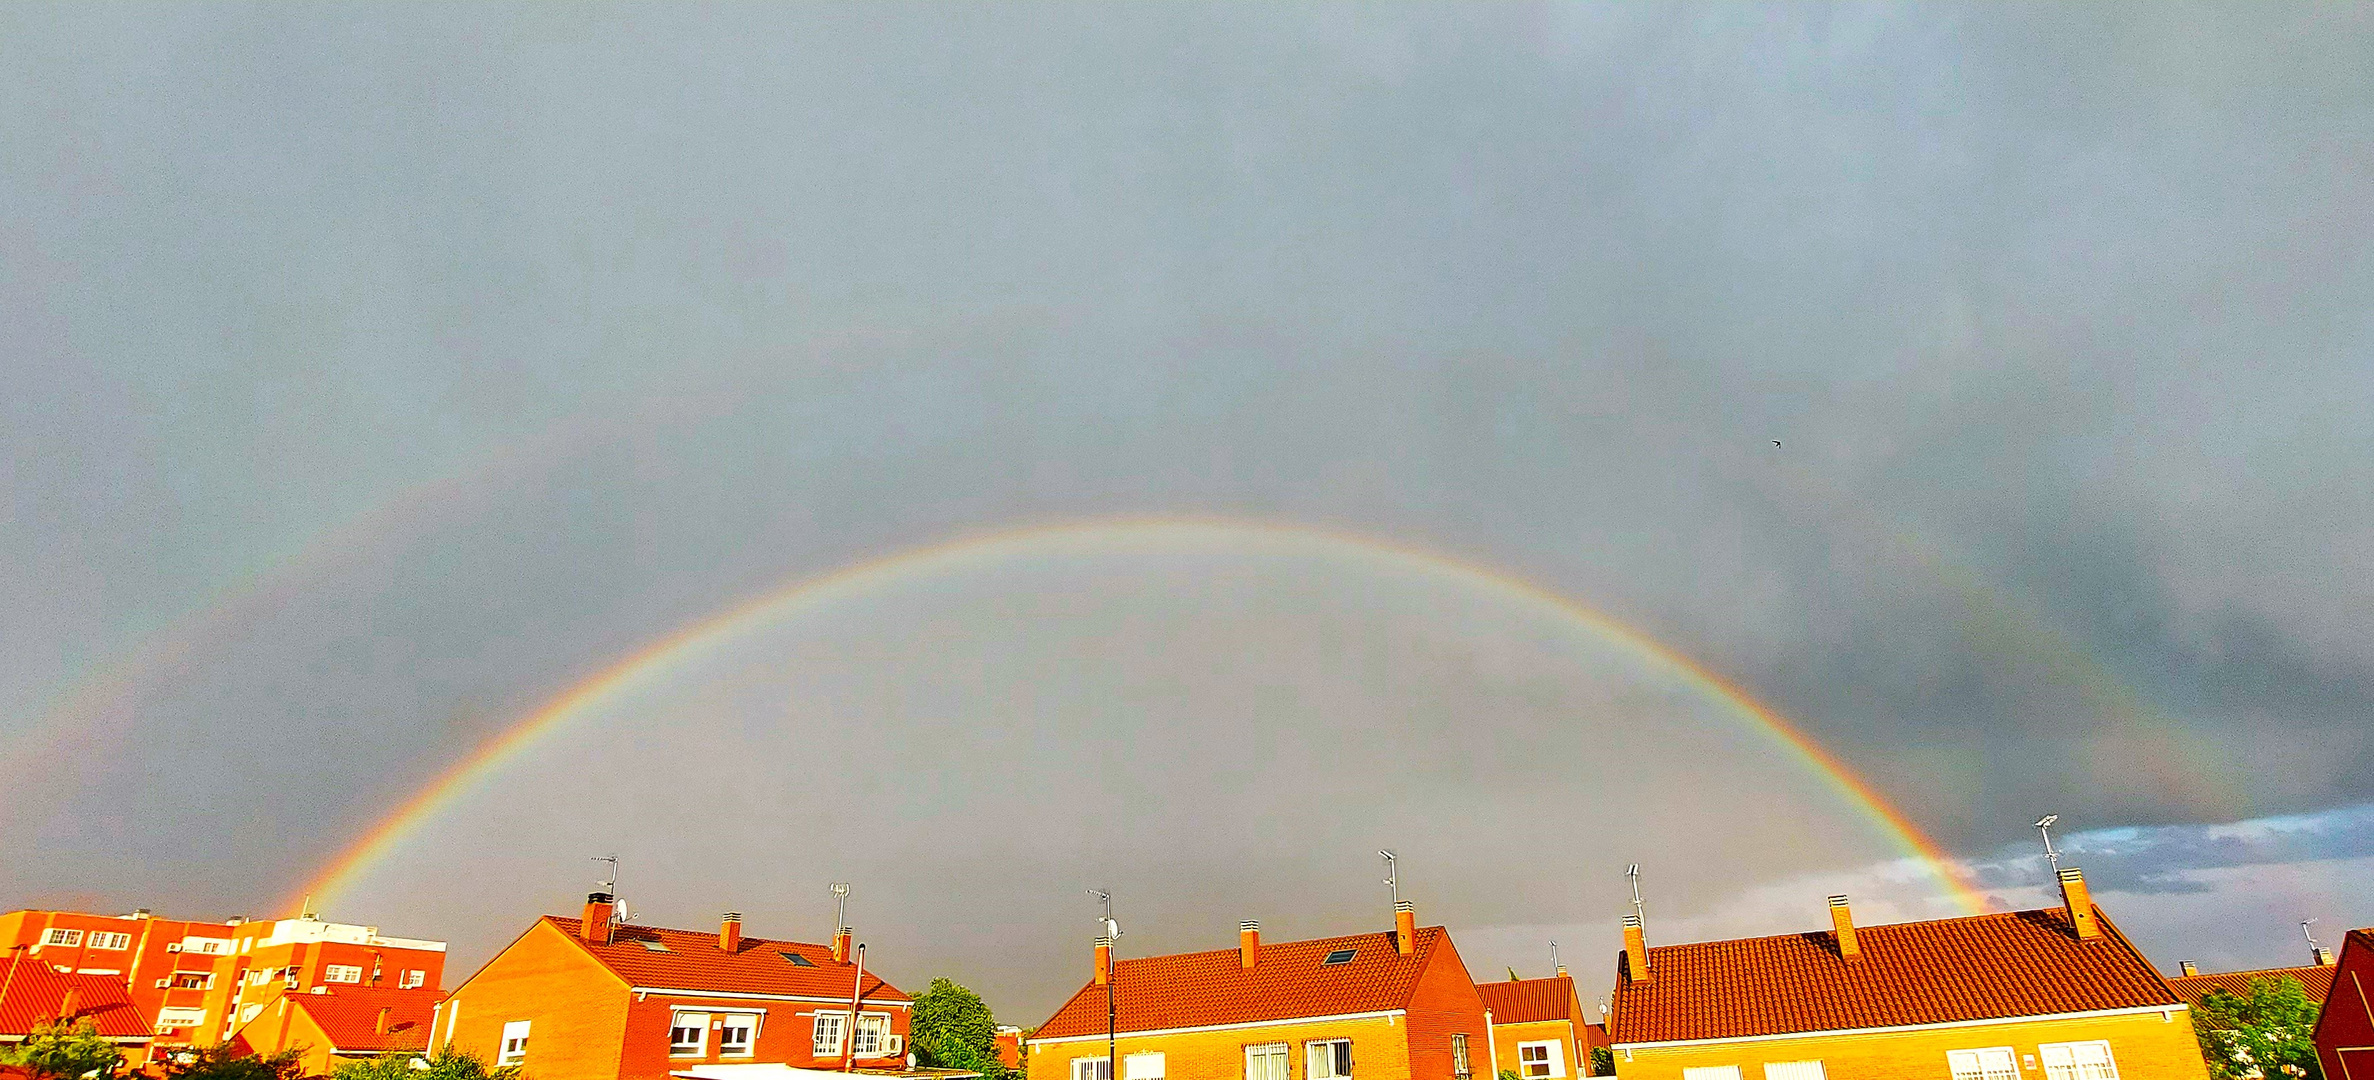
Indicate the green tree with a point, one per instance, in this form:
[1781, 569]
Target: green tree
[1603, 1061]
[446, 1064]
[1510, 1074]
[227, 1063]
[64, 1049]
[952, 1029]
[2271, 1032]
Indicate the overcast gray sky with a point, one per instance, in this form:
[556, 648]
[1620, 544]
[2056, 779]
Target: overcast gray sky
[375, 374]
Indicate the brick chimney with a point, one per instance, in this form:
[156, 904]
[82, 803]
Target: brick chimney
[729, 933]
[1248, 943]
[381, 1025]
[2186, 969]
[1405, 927]
[596, 925]
[1842, 920]
[2080, 903]
[1104, 960]
[1636, 950]
[2323, 957]
[841, 945]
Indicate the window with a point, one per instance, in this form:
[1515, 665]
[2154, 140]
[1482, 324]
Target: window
[515, 1043]
[1095, 1068]
[247, 1013]
[413, 979]
[1793, 1070]
[737, 1034]
[829, 1027]
[873, 1035]
[193, 980]
[68, 938]
[652, 945]
[1340, 956]
[2078, 1061]
[688, 1035]
[1711, 1072]
[173, 1018]
[1992, 1063]
[1541, 1060]
[1142, 1067]
[1459, 1066]
[1327, 1060]
[1266, 1062]
[111, 941]
[796, 959]
[339, 973]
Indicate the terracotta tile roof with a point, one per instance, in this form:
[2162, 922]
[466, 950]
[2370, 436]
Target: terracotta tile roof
[1157, 993]
[1527, 1001]
[35, 991]
[2317, 980]
[349, 1018]
[2011, 964]
[691, 960]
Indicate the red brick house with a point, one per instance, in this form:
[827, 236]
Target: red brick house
[33, 992]
[2345, 1030]
[590, 997]
[2316, 979]
[1538, 1030]
[2050, 994]
[1378, 1006]
[338, 1025]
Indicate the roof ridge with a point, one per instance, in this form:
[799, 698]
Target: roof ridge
[1865, 928]
[1267, 945]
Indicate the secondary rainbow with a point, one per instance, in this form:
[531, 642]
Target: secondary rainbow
[653, 663]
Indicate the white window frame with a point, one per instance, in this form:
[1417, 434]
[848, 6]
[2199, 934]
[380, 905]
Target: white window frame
[1282, 1053]
[1976, 1058]
[873, 1036]
[414, 979]
[683, 1020]
[2073, 1069]
[729, 1021]
[1553, 1060]
[514, 1047]
[62, 938]
[1462, 1066]
[1144, 1065]
[1310, 1051]
[831, 1028]
[1092, 1068]
[1711, 1072]
[342, 973]
[1794, 1070]
[101, 939]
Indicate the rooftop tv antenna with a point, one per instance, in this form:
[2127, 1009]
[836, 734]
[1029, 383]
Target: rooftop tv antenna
[609, 884]
[2306, 933]
[1112, 929]
[840, 906]
[1553, 956]
[1632, 874]
[2044, 825]
[1392, 874]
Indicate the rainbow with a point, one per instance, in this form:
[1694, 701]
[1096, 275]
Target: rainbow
[654, 663]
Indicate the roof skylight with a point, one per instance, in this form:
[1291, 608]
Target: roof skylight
[796, 959]
[1340, 956]
[652, 944]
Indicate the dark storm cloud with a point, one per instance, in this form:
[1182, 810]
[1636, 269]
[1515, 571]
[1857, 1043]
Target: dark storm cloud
[2057, 313]
[2167, 858]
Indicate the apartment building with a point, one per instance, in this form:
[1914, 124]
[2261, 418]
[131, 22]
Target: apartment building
[2050, 994]
[165, 966]
[591, 998]
[1398, 1005]
[260, 962]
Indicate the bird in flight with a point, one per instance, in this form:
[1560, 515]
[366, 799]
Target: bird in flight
[1776, 444]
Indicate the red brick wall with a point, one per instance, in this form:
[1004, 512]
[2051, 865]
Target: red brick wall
[1446, 1003]
[576, 1009]
[2345, 1031]
[787, 1034]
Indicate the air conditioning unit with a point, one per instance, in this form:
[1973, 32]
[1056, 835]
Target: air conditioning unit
[173, 946]
[161, 983]
[898, 1045]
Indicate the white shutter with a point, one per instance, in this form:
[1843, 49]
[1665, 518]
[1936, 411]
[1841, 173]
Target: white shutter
[1793, 1070]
